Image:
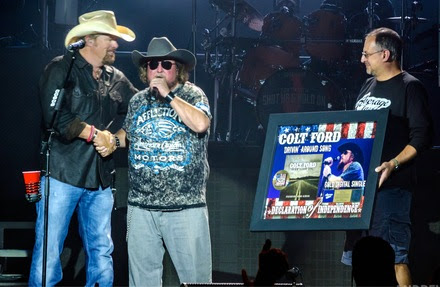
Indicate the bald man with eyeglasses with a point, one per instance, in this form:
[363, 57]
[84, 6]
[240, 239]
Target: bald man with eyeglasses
[408, 133]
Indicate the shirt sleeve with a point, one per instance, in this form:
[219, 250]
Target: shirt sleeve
[203, 104]
[418, 114]
[197, 98]
[51, 83]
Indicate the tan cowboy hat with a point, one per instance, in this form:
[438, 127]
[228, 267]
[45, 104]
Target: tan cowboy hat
[162, 48]
[98, 22]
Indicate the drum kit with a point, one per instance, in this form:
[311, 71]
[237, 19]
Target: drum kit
[270, 74]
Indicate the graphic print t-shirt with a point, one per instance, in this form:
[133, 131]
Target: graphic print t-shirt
[168, 166]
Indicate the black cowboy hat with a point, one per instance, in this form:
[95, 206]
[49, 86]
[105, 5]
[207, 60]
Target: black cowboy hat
[355, 149]
[162, 48]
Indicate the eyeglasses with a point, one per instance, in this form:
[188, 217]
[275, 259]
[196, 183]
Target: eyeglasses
[366, 55]
[345, 152]
[165, 64]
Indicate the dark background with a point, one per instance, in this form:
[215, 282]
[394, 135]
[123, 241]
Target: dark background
[24, 51]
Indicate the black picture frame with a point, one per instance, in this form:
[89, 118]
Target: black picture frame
[292, 191]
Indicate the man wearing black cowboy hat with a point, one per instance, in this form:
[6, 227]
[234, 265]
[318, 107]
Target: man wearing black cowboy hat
[167, 126]
[96, 95]
[350, 164]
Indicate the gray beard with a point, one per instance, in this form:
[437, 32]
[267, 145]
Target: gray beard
[108, 60]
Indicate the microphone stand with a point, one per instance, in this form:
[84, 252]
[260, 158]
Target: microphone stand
[231, 76]
[194, 31]
[370, 15]
[46, 146]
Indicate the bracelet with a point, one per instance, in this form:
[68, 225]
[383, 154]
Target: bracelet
[169, 97]
[118, 143]
[396, 163]
[92, 134]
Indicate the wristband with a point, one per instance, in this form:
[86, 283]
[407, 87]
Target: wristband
[169, 97]
[396, 163]
[92, 134]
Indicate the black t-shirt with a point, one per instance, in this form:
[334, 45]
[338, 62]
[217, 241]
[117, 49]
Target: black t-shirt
[409, 121]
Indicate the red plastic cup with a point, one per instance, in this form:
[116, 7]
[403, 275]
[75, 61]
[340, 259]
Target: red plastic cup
[31, 176]
[32, 185]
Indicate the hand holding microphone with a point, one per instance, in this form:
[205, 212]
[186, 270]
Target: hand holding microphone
[159, 87]
[329, 161]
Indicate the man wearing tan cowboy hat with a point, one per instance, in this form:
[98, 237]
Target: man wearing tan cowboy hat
[167, 125]
[96, 98]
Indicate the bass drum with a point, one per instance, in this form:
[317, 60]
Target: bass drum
[259, 64]
[297, 90]
[285, 30]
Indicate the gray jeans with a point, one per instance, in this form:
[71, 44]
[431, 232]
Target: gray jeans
[185, 234]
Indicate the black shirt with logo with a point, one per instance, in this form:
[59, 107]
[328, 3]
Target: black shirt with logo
[409, 122]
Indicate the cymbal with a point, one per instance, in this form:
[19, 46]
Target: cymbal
[246, 14]
[406, 18]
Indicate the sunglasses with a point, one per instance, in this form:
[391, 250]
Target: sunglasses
[165, 64]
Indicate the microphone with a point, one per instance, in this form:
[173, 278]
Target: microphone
[155, 92]
[293, 273]
[285, 10]
[327, 161]
[76, 45]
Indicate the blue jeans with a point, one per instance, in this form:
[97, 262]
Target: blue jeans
[185, 234]
[391, 221]
[94, 208]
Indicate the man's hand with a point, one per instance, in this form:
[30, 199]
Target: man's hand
[161, 85]
[385, 170]
[245, 278]
[326, 171]
[104, 143]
